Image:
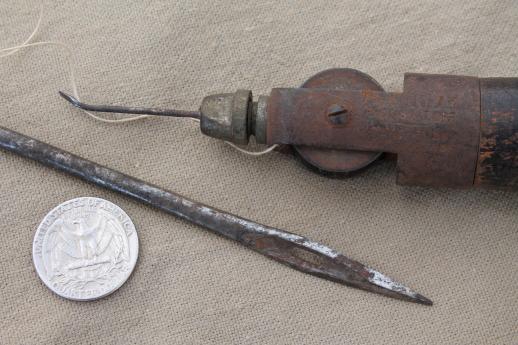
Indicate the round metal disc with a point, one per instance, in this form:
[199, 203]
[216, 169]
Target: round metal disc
[339, 161]
[85, 248]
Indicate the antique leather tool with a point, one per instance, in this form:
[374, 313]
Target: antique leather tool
[287, 248]
[445, 130]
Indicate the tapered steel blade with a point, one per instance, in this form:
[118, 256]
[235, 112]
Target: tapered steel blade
[290, 249]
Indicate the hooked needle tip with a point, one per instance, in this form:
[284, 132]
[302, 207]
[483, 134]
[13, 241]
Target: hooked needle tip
[129, 110]
[71, 99]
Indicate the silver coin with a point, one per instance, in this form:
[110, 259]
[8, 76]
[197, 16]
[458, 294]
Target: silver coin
[85, 248]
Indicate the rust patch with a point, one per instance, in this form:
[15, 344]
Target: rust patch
[498, 156]
[432, 127]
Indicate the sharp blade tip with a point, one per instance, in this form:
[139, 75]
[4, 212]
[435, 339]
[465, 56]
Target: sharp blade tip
[423, 300]
[401, 291]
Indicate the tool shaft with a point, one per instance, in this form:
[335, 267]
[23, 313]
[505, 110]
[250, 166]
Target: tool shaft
[147, 193]
[129, 110]
[287, 248]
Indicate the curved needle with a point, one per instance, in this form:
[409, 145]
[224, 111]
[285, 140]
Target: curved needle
[287, 248]
[129, 110]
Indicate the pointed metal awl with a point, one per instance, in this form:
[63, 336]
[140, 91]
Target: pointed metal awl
[287, 248]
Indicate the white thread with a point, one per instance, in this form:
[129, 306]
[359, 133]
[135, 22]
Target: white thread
[28, 40]
[73, 84]
[252, 153]
[71, 76]
[247, 152]
[26, 44]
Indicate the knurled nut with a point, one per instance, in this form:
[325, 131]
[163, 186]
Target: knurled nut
[240, 114]
[260, 120]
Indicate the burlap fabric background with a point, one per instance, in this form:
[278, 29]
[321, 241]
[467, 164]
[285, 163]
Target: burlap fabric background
[191, 287]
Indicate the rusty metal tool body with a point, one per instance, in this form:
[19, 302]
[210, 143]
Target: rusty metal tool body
[287, 248]
[445, 130]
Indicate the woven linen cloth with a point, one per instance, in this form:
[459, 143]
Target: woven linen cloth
[457, 247]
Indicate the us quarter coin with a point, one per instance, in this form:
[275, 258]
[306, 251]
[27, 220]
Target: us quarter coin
[85, 248]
